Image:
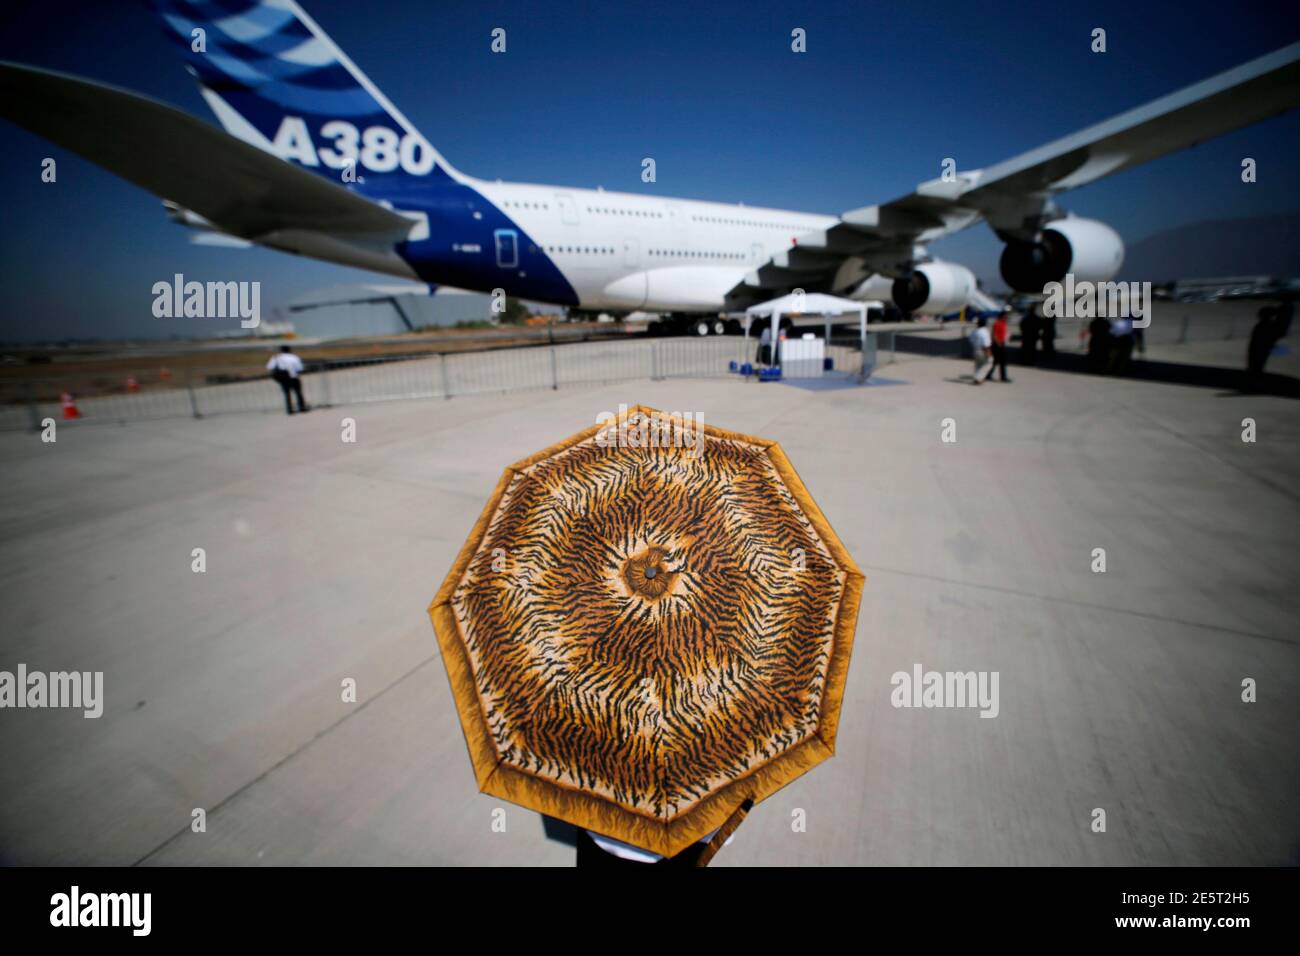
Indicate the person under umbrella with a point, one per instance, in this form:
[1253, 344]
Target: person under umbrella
[646, 635]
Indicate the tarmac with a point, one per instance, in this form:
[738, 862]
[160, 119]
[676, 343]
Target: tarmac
[1119, 691]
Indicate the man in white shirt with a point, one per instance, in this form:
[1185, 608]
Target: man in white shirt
[982, 344]
[286, 368]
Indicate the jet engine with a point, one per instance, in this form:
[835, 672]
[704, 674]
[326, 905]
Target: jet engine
[1090, 250]
[934, 288]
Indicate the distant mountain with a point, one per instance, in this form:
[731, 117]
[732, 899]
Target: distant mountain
[1263, 245]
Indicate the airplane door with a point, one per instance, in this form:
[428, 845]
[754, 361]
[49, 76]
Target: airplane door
[757, 255]
[568, 209]
[507, 248]
[631, 252]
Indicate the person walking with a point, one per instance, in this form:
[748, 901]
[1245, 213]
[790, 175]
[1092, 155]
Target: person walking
[1046, 331]
[1121, 344]
[1263, 337]
[1098, 345]
[982, 345]
[1001, 332]
[286, 368]
[1031, 326]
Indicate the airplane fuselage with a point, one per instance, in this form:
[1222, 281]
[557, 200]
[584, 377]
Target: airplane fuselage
[590, 249]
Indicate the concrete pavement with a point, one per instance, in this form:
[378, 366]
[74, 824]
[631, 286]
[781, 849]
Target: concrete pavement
[1119, 691]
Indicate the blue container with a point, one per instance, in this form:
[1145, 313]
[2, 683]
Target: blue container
[746, 369]
[828, 364]
[769, 375]
[732, 366]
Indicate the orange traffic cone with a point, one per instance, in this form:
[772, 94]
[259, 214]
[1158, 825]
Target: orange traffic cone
[70, 409]
[131, 384]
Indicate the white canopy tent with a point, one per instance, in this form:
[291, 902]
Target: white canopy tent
[812, 303]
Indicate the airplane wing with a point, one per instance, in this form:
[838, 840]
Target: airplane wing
[1015, 196]
[238, 188]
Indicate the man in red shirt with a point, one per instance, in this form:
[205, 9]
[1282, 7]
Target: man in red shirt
[1000, 332]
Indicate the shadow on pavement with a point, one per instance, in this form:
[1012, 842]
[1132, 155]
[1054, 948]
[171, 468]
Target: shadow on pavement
[1230, 381]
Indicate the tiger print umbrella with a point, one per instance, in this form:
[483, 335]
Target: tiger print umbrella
[650, 622]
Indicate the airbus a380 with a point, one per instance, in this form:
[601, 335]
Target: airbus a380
[314, 160]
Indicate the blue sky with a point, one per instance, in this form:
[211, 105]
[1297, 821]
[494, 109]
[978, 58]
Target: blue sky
[712, 92]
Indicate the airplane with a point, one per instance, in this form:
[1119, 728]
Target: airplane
[315, 161]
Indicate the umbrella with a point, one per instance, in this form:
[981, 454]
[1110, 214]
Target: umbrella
[650, 623]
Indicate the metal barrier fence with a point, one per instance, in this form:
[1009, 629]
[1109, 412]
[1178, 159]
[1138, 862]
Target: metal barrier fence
[203, 392]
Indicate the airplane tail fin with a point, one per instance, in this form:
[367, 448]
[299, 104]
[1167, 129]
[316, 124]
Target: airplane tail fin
[276, 80]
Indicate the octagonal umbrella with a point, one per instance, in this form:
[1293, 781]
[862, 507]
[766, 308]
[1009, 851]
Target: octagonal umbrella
[650, 623]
